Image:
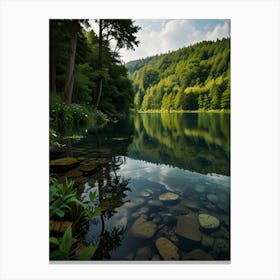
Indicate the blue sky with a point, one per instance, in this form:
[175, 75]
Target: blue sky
[160, 36]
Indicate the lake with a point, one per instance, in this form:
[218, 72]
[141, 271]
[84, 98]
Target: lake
[164, 180]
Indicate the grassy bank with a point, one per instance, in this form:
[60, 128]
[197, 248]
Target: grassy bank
[186, 111]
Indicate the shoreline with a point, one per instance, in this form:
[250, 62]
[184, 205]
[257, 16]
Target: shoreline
[183, 111]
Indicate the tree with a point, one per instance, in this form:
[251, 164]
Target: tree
[69, 79]
[59, 37]
[123, 32]
[151, 77]
[74, 28]
[191, 101]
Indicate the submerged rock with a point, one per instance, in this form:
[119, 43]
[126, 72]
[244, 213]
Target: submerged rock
[207, 240]
[213, 198]
[222, 233]
[101, 150]
[134, 202]
[179, 209]
[200, 188]
[156, 258]
[80, 180]
[143, 228]
[143, 210]
[192, 204]
[93, 164]
[63, 164]
[211, 207]
[155, 203]
[156, 219]
[81, 158]
[167, 249]
[168, 196]
[224, 202]
[74, 173]
[221, 248]
[188, 227]
[197, 254]
[145, 193]
[144, 254]
[89, 167]
[208, 222]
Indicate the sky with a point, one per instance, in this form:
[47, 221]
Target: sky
[160, 36]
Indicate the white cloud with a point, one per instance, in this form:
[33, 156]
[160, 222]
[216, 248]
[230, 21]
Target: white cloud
[219, 31]
[161, 36]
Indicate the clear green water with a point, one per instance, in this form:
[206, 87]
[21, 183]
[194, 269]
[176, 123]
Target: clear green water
[145, 156]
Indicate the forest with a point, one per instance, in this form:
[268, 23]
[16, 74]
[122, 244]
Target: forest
[196, 77]
[87, 77]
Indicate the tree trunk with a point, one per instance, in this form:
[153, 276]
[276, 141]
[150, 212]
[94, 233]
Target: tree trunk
[100, 58]
[53, 75]
[69, 79]
[99, 92]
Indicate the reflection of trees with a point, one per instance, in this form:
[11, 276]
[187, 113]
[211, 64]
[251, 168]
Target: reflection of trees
[112, 194]
[110, 241]
[198, 142]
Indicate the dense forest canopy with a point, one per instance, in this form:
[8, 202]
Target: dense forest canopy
[196, 77]
[83, 64]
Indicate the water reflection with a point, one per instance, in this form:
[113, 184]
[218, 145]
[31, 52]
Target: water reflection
[134, 161]
[196, 142]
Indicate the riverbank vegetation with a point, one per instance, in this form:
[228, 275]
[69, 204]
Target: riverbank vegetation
[88, 86]
[86, 72]
[189, 79]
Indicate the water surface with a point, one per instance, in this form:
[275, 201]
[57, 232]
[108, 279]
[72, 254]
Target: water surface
[142, 157]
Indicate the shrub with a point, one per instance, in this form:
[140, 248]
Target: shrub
[66, 116]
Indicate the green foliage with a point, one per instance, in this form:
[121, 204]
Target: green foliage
[87, 253]
[53, 138]
[61, 198]
[65, 116]
[117, 92]
[64, 248]
[83, 83]
[191, 78]
[74, 137]
[66, 242]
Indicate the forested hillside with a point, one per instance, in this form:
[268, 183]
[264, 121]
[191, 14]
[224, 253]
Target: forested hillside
[196, 77]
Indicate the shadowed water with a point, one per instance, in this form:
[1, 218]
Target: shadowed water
[142, 157]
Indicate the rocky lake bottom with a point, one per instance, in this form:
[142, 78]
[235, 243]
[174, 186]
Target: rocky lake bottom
[184, 217]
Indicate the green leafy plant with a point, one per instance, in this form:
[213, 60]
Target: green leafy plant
[65, 249]
[61, 198]
[53, 138]
[66, 116]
